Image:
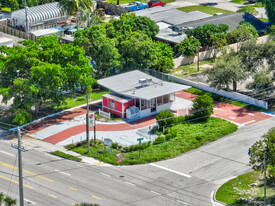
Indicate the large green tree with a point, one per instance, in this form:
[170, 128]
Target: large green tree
[267, 144]
[189, 46]
[135, 23]
[270, 10]
[203, 33]
[227, 71]
[249, 9]
[41, 71]
[12, 4]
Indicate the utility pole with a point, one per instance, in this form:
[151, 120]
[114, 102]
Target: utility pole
[27, 25]
[19, 149]
[264, 178]
[94, 129]
[88, 125]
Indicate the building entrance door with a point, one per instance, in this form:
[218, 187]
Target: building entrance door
[153, 105]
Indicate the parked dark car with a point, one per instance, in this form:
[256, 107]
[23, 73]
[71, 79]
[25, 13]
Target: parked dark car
[154, 3]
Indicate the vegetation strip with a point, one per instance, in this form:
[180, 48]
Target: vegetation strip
[66, 156]
[182, 138]
[206, 9]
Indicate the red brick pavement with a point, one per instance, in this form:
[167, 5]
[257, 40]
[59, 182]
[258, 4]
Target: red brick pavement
[54, 139]
[238, 114]
[186, 95]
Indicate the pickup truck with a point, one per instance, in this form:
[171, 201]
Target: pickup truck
[134, 6]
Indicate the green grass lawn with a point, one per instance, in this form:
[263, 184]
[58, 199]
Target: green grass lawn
[190, 135]
[259, 4]
[239, 1]
[189, 69]
[66, 156]
[206, 9]
[237, 191]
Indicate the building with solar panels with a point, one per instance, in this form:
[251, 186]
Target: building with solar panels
[39, 17]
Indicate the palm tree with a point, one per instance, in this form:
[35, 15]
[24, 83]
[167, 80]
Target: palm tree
[1, 198]
[87, 19]
[9, 201]
[71, 7]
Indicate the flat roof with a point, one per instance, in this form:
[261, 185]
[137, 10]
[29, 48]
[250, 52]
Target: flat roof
[4, 40]
[170, 15]
[127, 84]
[169, 35]
[43, 32]
[230, 19]
[117, 97]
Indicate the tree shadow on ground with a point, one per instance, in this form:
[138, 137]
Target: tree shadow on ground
[209, 4]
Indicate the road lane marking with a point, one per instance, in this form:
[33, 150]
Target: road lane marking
[185, 203]
[105, 174]
[170, 170]
[37, 175]
[14, 181]
[28, 201]
[155, 192]
[7, 153]
[129, 183]
[249, 122]
[96, 197]
[52, 196]
[10, 166]
[64, 173]
[73, 188]
[98, 163]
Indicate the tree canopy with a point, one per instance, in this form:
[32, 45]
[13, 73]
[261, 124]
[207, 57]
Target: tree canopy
[203, 33]
[189, 46]
[41, 72]
[249, 9]
[122, 45]
[203, 107]
[270, 10]
[266, 143]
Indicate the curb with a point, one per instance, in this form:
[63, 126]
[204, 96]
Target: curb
[213, 194]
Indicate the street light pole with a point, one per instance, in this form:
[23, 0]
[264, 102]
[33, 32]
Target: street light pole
[87, 125]
[264, 178]
[20, 149]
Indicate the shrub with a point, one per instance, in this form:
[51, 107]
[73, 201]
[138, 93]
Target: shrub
[164, 118]
[159, 140]
[203, 107]
[67, 156]
[126, 149]
[189, 46]
[114, 145]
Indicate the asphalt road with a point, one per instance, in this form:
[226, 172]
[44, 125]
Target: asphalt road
[188, 179]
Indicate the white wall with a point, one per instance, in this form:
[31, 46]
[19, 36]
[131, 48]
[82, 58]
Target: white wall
[212, 53]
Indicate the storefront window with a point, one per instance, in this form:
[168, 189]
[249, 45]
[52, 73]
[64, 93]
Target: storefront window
[172, 97]
[112, 104]
[144, 104]
[159, 100]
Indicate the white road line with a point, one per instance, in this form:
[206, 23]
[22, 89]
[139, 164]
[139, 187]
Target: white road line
[129, 183]
[28, 201]
[251, 114]
[232, 117]
[185, 203]
[170, 195]
[250, 122]
[170, 170]
[64, 173]
[155, 192]
[105, 174]
[7, 153]
[217, 108]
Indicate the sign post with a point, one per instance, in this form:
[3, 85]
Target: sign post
[140, 139]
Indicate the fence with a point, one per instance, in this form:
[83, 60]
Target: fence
[232, 95]
[104, 114]
[16, 33]
[111, 8]
[213, 53]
